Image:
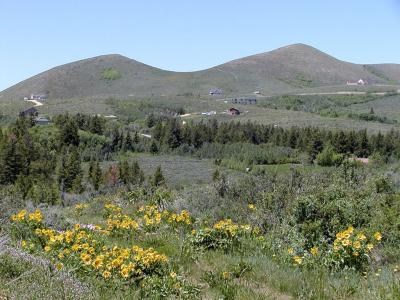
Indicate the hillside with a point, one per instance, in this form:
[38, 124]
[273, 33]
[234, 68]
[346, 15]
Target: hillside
[282, 70]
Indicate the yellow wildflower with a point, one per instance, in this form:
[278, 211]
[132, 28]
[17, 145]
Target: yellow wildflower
[378, 236]
[106, 274]
[357, 245]
[314, 251]
[298, 260]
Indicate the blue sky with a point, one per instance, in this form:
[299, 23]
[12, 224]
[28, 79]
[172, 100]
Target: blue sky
[187, 35]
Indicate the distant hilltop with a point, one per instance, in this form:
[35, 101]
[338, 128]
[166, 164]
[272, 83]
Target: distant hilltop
[278, 71]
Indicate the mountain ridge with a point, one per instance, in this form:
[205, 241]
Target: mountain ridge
[277, 71]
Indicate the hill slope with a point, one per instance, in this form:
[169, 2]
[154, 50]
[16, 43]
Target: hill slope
[282, 70]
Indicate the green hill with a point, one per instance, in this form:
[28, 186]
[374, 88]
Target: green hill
[280, 71]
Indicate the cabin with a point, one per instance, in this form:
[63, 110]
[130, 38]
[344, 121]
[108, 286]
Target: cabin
[244, 101]
[30, 112]
[216, 92]
[233, 111]
[359, 82]
[37, 97]
[41, 121]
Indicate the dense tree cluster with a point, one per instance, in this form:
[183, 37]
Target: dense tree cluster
[312, 140]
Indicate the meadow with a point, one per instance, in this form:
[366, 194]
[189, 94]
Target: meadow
[92, 209]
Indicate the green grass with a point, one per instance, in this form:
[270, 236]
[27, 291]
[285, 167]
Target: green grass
[111, 74]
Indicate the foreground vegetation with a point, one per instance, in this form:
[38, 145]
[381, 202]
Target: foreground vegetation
[82, 217]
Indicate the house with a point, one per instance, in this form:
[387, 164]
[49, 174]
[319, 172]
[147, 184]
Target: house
[216, 92]
[37, 97]
[257, 92]
[233, 111]
[209, 113]
[32, 111]
[41, 121]
[359, 82]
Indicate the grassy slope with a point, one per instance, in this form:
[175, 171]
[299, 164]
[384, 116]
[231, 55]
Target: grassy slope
[281, 70]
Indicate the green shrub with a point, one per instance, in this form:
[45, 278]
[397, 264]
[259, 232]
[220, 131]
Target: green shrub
[110, 74]
[328, 157]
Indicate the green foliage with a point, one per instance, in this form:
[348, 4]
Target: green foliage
[69, 171]
[111, 74]
[157, 287]
[158, 178]
[328, 157]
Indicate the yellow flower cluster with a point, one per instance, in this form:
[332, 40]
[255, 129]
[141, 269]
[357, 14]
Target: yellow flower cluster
[23, 215]
[80, 249]
[251, 206]
[151, 215]
[80, 207]
[112, 208]
[121, 222]
[182, 218]
[229, 227]
[347, 242]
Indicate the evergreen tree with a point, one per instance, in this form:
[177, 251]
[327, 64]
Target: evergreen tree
[153, 147]
[97, 176]
[150, 120]
[70, 172]
[172, 135]
[158, 131]
[11, 161]
[128, 144]
[158, 178]
[362, 148]
[136, 139]
[96, 125]
[69, 133]
[216, 175]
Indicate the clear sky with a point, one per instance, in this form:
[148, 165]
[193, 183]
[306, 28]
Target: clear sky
[186, 35]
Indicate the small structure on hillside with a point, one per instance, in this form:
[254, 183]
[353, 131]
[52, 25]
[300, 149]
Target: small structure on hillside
[257, 92]
[30, 112]
[209, 113]
[41, 121]
[363, 160]
[216, 92]
[244, 101]
[233, 111]
[359, 82]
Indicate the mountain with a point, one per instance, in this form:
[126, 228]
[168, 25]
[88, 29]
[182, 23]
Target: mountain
[278, 71]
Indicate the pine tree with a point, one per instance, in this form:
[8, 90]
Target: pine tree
[216, 175]
[11, 161]
[128, 144]
[116, 140]
[70, 172]
[125, 172]
[96, 125]
[69, 133]
[97, 176]
[153, 147]
[90, 169]
[150, 120]
[158, 131]
[158, 178]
